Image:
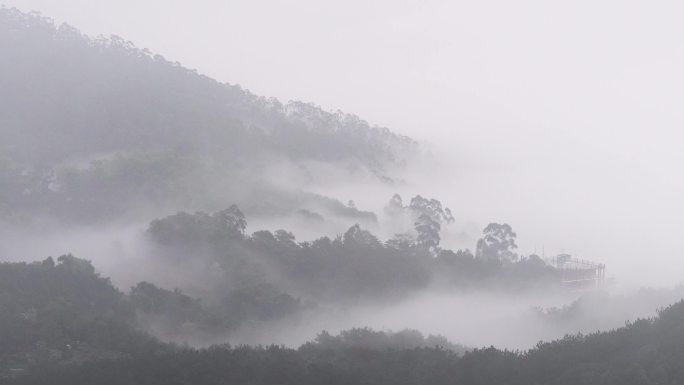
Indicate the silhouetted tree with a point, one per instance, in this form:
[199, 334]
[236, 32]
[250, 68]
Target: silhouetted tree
[428, 232]
[497, 243]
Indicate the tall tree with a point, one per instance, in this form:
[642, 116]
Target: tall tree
[497, 243]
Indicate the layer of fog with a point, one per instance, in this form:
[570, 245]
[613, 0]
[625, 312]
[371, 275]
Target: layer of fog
[623, 209]
[477, 319]
[476, 196]
[472, 318]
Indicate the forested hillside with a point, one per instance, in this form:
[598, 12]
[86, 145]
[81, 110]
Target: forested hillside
[206, 278]
[94, 128]
[62, 324]
[223, 281]
[62, 313]
[351, 267]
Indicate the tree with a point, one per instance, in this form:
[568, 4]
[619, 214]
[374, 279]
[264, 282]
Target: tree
[395, 205]
[497, 243]
[233, 220]
[193, 229]
[285, 237]
[356, 236]
[428, 232]
[432, 208]
[74, 264]
[427, 215]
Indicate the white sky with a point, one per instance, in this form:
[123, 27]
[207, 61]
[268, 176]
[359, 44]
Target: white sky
[562, 118]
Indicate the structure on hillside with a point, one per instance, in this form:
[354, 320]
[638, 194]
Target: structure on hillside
[577, 274]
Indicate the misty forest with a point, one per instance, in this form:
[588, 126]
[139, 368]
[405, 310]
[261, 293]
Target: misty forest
[158, 226]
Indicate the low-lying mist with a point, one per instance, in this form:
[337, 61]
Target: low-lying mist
[477, 319]
[472, 317]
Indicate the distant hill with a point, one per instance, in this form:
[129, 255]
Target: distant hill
[95, 121]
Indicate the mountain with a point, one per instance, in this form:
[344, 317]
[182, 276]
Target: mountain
[97, 127]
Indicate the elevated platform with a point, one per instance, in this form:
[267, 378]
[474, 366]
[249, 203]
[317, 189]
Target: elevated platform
[578, 274]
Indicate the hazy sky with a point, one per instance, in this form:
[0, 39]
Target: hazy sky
[563, 118]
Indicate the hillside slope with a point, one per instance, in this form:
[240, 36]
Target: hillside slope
[88, 123]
